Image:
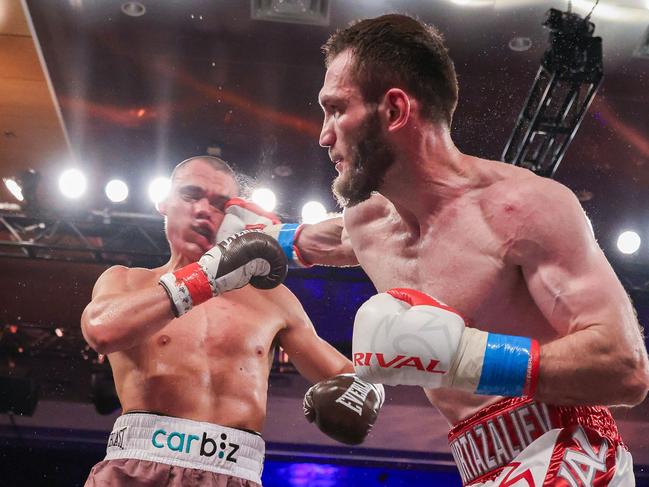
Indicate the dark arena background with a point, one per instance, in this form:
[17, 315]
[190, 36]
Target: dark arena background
[123, 91]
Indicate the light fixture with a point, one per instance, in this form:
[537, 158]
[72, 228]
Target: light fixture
[265, 198]
[72, 183]
[133, 9]
[520, 43]
[116, 190]
[313, 212]
[159, 189]
[23, 187]
[628, 242]
[14, 188]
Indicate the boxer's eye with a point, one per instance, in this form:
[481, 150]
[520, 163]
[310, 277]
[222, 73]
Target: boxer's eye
[219, 202]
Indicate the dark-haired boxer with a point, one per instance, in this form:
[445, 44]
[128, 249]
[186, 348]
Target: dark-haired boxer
[541, 317]
[191, 346]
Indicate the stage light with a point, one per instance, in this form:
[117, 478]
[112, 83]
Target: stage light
[72, 183]
[23, 187]
[628, 242]
[116, 190]
[14, 188]
[159, 189]
[313, 212]
[265, 198]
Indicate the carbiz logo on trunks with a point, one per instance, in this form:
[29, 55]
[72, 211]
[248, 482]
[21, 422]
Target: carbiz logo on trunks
[207, 447]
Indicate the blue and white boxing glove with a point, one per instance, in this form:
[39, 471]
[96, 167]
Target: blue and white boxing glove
[242, 215]
[404, 336]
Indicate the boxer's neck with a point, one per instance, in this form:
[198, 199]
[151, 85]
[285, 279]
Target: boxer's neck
[428, 174]
[179, 259]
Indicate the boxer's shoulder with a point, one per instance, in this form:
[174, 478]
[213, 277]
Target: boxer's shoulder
[288, 306]
[120, 278]
[521, 198]
[375, 207]
[527, 212]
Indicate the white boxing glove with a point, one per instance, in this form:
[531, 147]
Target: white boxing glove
[242, 215]
[406, 337]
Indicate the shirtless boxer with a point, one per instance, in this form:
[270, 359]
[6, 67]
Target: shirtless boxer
[192, 378]
[529, 333]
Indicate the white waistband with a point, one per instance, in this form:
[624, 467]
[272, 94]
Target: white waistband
[186, 443]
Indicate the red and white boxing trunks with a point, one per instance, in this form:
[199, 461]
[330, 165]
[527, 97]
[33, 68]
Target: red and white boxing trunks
[519, 442]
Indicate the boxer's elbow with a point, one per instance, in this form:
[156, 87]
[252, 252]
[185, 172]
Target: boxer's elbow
[634, 383]
[640, 386]
[97, 330]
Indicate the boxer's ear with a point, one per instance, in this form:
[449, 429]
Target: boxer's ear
[395, 108]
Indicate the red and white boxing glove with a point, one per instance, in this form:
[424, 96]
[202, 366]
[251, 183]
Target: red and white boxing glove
[247, 257]
[406, 337]
[241, 215]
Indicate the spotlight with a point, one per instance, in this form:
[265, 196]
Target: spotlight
[23, 187]
[628, 242]
[265, 198]
[313, 212]
[14, 188]
[72, 183]
[159, 189]
[116, 190]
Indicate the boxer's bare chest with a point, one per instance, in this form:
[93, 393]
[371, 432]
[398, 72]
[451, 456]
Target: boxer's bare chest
[211, 364]
[456, 258]
[236, 324]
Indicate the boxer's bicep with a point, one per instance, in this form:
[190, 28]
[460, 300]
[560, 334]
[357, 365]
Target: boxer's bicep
[127, 306]
[326, 243]
[566, 272]
[598, 355]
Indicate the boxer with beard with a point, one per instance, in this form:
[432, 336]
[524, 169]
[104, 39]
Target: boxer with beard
[371, 157]
[493, 293]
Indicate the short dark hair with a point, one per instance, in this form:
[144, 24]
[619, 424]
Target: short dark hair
[399, 51]
[215, 162]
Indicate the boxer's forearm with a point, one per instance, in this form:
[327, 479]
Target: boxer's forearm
[325, 243]
[117, 322]
[589, 367]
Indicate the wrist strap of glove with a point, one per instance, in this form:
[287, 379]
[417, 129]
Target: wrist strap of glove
[187, 287]
[287, 236]
[510, 366]
[494, 364]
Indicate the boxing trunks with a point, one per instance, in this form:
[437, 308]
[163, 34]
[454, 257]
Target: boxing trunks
[150, 449]
[519, 442]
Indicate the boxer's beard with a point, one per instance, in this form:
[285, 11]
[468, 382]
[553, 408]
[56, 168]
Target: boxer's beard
[371, 158]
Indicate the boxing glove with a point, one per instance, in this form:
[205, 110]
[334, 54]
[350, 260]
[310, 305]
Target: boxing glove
[406, 337]
[248, 256]
[344, 407]
[245, 215]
